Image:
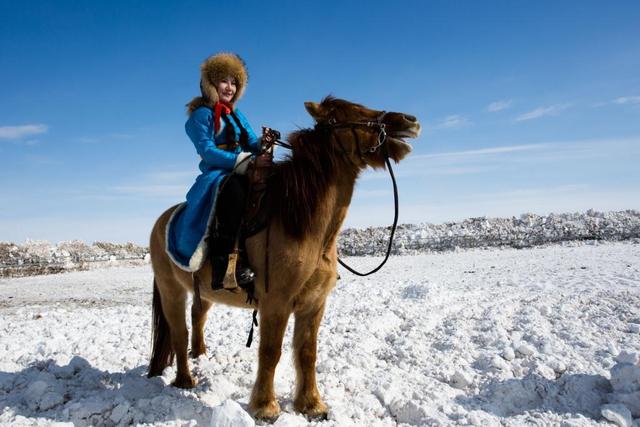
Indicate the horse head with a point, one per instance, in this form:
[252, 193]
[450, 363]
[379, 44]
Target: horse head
[365, 135]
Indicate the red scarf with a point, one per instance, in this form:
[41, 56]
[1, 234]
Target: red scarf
[218, 109]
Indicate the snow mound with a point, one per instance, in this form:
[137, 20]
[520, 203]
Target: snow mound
[230, 414]
[625, 382]
[41, 257]
[526, 231]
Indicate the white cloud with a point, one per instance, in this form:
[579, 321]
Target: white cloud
[453, 121]
[502, 158]
[499, 105]
[421, 171]
[528, 192]
[481, 151]
[465, 170]
[163, 184]
[542, 111]
[103, 138]
[627, 100]
[372, 193]
[19, 132]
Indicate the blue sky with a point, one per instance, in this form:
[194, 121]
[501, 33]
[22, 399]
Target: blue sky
[525, 106]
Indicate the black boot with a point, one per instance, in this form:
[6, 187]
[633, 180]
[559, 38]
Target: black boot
[219, 266]
[244, 274]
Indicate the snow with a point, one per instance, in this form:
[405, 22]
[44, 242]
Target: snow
[617, 414]
[230, 414]
[509, 337]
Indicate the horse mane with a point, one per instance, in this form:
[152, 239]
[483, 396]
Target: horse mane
[300, 182]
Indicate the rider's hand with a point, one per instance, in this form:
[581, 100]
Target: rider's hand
[269, 136]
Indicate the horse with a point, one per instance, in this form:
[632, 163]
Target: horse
[309, 194]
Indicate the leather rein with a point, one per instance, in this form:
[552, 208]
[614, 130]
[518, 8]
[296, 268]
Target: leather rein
[378, 125]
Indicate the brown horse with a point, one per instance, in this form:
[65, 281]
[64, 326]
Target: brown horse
[310, 193]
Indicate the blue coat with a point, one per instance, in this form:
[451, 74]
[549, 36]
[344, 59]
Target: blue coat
[189, 223]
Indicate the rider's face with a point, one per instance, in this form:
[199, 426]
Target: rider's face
[226, 89]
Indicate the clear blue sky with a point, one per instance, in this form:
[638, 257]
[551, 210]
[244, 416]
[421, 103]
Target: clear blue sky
[525, 106]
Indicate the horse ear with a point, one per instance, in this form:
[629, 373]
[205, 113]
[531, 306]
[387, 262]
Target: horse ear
[316, 110]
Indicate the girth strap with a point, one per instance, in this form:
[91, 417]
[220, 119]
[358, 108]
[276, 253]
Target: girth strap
[254, 322]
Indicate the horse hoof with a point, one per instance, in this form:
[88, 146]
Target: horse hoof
[317, 411]
[184, 382]
[268, 412]
[194, 354]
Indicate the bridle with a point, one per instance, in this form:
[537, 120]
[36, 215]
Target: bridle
[378, 125]
[332, 123]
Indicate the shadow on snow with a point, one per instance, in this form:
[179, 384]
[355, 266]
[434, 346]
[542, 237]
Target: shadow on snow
[570, 394]
[84, 395]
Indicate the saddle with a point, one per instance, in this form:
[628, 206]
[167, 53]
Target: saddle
[256, 215]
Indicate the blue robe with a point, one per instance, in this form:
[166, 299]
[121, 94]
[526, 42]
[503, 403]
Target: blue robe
[189, 224]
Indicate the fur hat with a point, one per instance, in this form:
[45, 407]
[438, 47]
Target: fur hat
[213, 70]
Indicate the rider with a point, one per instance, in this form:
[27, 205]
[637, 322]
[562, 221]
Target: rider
[226, 144]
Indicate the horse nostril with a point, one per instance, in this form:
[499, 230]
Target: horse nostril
[410, 118]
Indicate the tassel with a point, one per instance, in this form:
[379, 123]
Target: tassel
[254, 322]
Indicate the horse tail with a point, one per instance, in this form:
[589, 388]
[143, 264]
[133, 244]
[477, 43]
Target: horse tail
[162, 352]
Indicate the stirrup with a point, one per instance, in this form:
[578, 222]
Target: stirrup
[235, 276]
[229, 282]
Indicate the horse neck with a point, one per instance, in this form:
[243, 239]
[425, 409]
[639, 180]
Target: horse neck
[312, 190]
[333, 210]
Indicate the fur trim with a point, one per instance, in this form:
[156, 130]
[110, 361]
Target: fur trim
[198, 102]
[213, 70]
[197, 259]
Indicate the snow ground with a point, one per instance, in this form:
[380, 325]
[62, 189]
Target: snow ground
[479, 337]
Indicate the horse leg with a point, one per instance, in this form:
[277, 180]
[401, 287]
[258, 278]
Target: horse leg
[198, 319]
[174, 308]
[263, 403]
[305, 339]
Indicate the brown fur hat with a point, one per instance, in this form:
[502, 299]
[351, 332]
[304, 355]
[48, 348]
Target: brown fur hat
[213, 70]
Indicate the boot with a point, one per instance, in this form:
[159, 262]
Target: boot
[244, 275]
[219, 265]
[221, 245]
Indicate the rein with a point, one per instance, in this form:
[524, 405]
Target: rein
[382, 138]
[393, 227]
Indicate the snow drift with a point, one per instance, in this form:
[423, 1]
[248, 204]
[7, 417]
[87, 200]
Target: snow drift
[502, 337]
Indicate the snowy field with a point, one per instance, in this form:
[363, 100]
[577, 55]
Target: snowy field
[542, 336]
